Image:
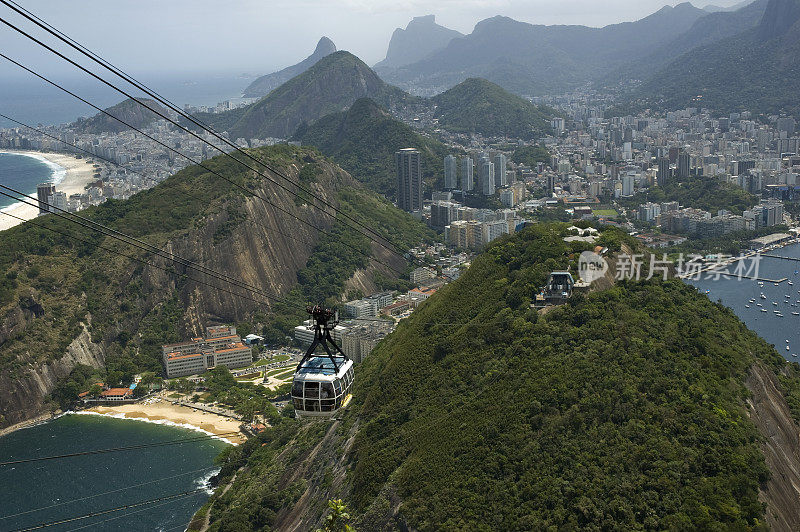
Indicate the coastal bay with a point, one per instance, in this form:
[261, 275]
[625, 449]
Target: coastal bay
[69, 174]
[164, 412]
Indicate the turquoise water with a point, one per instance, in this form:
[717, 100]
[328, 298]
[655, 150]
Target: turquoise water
[736, 295]
[22, 173]
[103, 481]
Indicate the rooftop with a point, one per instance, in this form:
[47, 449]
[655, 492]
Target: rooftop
[321, 365]
[113, 392]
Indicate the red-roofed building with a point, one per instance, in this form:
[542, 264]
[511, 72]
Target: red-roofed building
[116, 394]
[221, 347]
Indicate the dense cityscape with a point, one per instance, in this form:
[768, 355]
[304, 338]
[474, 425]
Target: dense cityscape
[530, 277]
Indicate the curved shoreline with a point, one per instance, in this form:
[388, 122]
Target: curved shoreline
[70, 175]
[164, 422]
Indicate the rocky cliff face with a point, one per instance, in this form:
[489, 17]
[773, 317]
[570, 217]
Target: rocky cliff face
[422, 37]
[23, 392]
[240, 236]
[770, 412]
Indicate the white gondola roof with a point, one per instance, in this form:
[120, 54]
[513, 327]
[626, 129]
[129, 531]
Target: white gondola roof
[322, 368]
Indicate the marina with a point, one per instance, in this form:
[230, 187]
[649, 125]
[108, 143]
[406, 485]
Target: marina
[769, 310]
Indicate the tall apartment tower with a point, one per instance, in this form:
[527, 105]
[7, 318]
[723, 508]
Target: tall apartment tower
[663, 171]
[450, 173]
[683, 165]
[487, 177]
[500, 164]
[467, 174]
[43, 193]
[409, 180]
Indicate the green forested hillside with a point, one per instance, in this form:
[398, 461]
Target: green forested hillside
[479, 106]
[705, 193]
[623, 410]
[129, 111]
[52, 282]
[363, 141]
[756, 70]
[330, 86]
[531, 155]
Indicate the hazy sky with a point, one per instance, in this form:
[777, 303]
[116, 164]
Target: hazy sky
[259, 36]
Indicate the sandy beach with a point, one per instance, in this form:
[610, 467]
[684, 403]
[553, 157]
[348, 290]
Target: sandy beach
[71, 174]
[179, 415]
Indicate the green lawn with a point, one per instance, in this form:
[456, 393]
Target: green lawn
[282, 374]
[265, 361]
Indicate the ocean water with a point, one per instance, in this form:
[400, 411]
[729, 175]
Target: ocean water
[736, 295]
[34, 102]
[24, 173]
[48, 491]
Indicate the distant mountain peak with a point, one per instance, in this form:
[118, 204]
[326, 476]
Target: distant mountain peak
[330, 86]
[325, 46]
[779, 17]
[263, 85]
[420, 38]
[128, 110]
[424, 19]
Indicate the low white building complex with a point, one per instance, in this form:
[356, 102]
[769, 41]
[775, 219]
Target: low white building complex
[221, 347]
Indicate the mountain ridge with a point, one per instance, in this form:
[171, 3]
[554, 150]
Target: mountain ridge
[764, 58]
[330, 86]
[363, 141]
[127, 110]
[531, 59]
[714, 27]
[421, 37]
[263, 85]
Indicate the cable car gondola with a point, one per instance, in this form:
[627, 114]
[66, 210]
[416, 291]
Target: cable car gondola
[322, 382]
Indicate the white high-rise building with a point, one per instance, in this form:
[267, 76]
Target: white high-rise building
[450, 173]
[57, 201]
[627, 185]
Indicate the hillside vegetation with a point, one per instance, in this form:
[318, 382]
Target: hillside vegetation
[262, 85]
[330, 86]
[624, 409]
[363, 140]
[705, 193]
[129, 111]
[479, 106]
[756, 70]
[52, 283]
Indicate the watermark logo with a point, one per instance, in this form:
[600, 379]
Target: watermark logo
[693, 267]
[591, 266]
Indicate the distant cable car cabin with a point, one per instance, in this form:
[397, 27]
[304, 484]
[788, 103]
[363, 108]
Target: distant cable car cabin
[557, 291]
[322, 382]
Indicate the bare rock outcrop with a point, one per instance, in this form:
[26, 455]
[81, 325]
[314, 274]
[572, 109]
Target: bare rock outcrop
[781, 447]
[23, 392]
